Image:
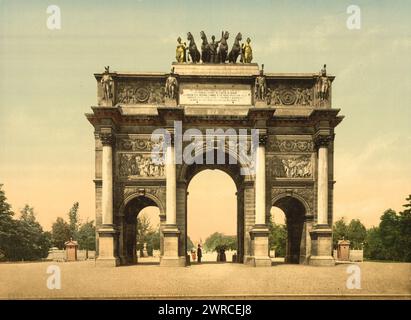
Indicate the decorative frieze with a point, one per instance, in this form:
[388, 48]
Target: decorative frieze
[137, 92]
[290, 145]
[135, 166]
[292, 166]
[287, 94]
[142, 144]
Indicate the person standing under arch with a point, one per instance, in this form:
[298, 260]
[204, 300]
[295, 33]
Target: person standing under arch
[199, 253]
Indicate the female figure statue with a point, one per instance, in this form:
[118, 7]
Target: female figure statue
[181, 51]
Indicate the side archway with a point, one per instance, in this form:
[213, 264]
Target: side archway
[131, 208]
[295, 210]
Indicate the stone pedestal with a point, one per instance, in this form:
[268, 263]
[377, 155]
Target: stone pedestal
[260, 104]
[107, 238]
[259, 243]
[170, 102]
[321, 246]
[170, 257]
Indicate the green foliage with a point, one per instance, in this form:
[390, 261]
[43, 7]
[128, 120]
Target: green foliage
[220, 240]
[373, 247]
[60, 233]
[143, 229]
[340, 231]
[190, 244]
[391, 240]
[277, 238]
[7, 231]
[74, 220]
[356, 233]
[31, 242]
[86, 236]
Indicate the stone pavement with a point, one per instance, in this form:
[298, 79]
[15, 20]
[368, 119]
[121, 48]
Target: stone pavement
[209, 280]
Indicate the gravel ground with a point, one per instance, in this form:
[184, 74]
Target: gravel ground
[209, 280]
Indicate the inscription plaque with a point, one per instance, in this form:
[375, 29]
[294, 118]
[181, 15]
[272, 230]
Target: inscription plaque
[218, 94]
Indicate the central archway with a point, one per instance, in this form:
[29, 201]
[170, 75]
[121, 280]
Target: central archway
[212, 208]
[233, 169]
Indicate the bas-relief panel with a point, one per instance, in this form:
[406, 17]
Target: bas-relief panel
[140, 92]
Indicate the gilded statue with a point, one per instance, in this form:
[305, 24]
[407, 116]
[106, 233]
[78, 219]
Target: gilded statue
[181, 51]
[247, 52]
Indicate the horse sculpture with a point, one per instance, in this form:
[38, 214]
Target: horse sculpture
[223, 49]
[236, 49]
[192, 49]
[205, 49]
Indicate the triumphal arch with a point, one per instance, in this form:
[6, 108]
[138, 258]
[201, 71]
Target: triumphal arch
[204, 110]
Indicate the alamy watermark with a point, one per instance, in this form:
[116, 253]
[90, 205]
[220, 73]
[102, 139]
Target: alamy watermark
[54, 280]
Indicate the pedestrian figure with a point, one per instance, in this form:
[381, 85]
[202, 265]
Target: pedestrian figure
[199, 253]
[193, 255]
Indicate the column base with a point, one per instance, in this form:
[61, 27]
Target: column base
[172, 261]
[321, 246]
[259, 241]
[107, 250]
[107, 262]
[326, 261]
[171, 257]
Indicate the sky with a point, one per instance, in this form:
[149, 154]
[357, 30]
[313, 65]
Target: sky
[47, 84]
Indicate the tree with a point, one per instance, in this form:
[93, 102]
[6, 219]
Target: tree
[277, 238]
[190, 244]
[143, 229]
[86, 237]
[340, 231]
[373, 247]
[74, 220]
[152, 240]
[60, 233]
[390, 234]
[33, 243]
[220, 240]
[405, 231]
[356, 233]
[7, 230]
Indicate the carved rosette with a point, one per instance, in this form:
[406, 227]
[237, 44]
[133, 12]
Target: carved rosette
[136, 144]
[140, 92]
[287, 94]
[306, 194]
[107, 138]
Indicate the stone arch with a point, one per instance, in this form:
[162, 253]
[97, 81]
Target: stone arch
[202, 151]
[130, 209]
[158, 202]
[186, 172]
[295, 209]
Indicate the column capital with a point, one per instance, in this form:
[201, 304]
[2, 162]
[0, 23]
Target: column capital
[323, 140]
[107, 138]
[172, 134]
[262, 139]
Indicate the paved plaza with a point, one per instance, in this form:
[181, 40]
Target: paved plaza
[208, 280]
